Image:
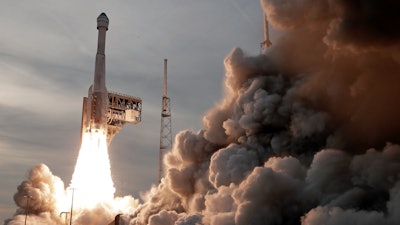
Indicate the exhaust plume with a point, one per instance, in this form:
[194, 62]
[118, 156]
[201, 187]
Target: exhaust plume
[88, 200]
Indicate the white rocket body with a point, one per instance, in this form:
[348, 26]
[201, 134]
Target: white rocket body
[98, 95]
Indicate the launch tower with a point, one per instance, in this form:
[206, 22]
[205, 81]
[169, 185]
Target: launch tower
[165, 131]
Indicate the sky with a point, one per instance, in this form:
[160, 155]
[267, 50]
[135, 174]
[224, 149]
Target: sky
[47, 55]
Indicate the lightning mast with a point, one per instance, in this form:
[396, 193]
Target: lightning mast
[266, 43]
[165, 131]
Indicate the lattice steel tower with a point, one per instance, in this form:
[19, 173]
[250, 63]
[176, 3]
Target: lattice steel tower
[165, 131]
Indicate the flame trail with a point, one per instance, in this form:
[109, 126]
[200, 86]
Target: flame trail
[92, 176]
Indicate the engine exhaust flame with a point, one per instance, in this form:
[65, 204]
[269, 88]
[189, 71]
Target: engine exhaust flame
[91, 181]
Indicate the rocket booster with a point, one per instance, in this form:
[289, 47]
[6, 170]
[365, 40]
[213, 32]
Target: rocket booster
[102, 111]
[96, 118]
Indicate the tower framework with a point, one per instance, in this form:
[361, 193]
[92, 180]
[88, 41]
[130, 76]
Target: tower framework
[165, 130]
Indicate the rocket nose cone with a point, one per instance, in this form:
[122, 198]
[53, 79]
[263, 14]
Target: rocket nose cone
[102, 21]
[103, 15]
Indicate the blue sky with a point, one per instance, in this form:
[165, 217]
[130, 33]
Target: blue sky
[47, 54]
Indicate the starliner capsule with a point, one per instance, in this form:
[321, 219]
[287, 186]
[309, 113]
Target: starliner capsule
[105, 111]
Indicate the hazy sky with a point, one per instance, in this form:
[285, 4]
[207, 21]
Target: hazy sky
[47, 54]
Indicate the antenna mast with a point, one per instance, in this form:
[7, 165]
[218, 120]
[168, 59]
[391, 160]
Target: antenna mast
[165, 131]
[266, 43]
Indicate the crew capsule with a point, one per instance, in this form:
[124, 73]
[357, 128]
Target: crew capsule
[102, 21]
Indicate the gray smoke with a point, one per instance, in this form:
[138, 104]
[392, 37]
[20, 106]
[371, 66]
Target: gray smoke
[348, 53]
[305, 134]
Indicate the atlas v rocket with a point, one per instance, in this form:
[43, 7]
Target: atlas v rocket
[104, 111]
[98, 91]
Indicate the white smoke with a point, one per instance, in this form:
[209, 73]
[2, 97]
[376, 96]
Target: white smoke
[39, 197]
[43, 199]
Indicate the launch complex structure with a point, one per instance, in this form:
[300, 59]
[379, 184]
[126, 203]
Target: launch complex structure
[104, 111]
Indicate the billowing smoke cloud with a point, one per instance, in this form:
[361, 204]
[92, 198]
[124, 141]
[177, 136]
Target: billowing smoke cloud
[39, 196]
[43, 199]
[302, 133]
[348, 54]
[305, 134]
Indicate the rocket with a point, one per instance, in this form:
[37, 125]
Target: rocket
[105, 111]
[96, 102]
